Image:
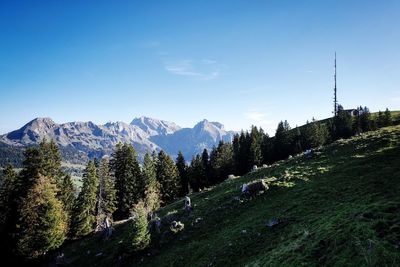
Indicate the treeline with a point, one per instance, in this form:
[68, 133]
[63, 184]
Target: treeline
[40, 207]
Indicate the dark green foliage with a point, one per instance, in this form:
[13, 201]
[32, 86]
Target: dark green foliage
[256, 138]
[45, 160]
[183, 174]
[106, 200]
[197, 174]
[84, 215]
[221, 162]
[138, 233]
[6, 201]
[168, 177]
[206, 167]
[43, 224]
[387, 118]
[315, 134]
[128, 182]
[67, 194]
[282, 141]
[152, 186]
[341, 125]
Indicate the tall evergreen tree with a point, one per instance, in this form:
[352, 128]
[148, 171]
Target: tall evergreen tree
[341, 125]
[6, 196]
[282, 141]
[256, 138]
[183, 174]
[106, 201]
[84, 215]
[197, 174]
[67, 196]
[221, 161]
[168, 177]
[128, 181]
[206, 166]
[139, 233]
[43, 220]
[380, 120]
[152, 187]
[387, 118]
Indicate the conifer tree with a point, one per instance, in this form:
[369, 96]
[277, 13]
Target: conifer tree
[206, 166]
[168, 177]
[256, 137]
[221, 161]
[379, 119]
[196, 174]
[7, 187]
[127, 179]
[282, 141]
[84, 215]
[106, 201]
[42, 220]
[387, 118]
[139, 233]
[183, 174]
[152, 187]
[67, 196]
[341, 125]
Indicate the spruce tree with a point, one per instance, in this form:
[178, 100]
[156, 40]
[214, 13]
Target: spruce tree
[67, 196]
[282, 141]
[127, 179]
[206, 166]
[106, 201]
[196, 174]
[221, 161]
[84, 215]
[168, 177]
[152, 187]
[139, 234]
[42, 220]
[380, 120]
[387, 118]
[256, 137]
[7, 187]
[183, 174]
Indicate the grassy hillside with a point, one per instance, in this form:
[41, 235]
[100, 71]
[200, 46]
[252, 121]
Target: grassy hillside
[341, 207]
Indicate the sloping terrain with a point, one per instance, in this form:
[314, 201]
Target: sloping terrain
[340, 207]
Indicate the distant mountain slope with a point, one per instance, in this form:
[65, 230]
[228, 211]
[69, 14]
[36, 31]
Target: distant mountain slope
[338, 208]
[79, 141]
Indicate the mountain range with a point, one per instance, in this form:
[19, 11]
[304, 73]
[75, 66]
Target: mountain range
[80, 141]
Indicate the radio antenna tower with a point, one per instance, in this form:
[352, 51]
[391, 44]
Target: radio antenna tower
[335, 104]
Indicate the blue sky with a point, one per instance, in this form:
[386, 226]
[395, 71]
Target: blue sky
[236, 62]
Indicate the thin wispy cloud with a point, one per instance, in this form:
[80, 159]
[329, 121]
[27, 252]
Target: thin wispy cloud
[261, 119]
[205, 69]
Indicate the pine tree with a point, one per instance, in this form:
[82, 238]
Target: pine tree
[152, 187]
[168, 177]
[127, 179]
[196, 174]
[106, 201]
[183, 174]
[139, 233]
[84, 215]
[341, 125]
[67, 196]
[256, 137]
[206, 166]
[387, 118]
[380, 120]
[43, 220]
[7, 187]
[282, 141]
[221, 161]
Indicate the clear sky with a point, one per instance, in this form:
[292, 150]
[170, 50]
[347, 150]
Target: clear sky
[236, 62]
